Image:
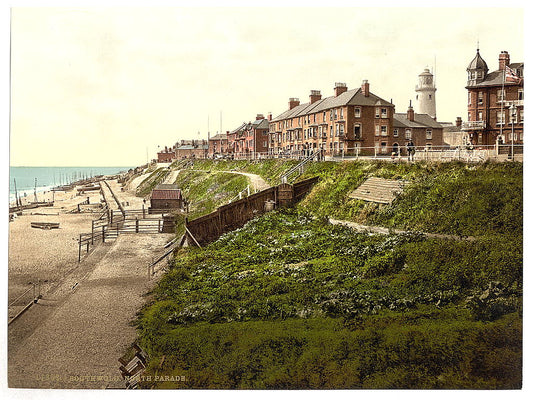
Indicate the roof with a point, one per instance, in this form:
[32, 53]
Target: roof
[166, 192]
[421, 121]
[260, 123]
[190, 147]
[478, 63]
[219, 136]
[495, 78]
[351, 97]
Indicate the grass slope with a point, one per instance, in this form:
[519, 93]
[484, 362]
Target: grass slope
[291, 301]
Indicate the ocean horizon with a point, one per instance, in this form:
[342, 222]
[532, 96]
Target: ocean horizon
[42, 179]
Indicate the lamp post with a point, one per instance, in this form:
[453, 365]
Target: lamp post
[512, 109]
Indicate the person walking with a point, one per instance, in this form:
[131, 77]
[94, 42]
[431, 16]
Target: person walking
[411, 151]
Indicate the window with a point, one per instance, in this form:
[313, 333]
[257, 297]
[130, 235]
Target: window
[383, 113]
[469, 98]
[428, 146]
[383, 130]
[324, 117]
[331, 131]
[500, 118]
[377, 112]
[500, 94]
[395, 132]
[429, 134]
[521, 114]
[480, 98]
[341, 129]
[377, 131]
[342, 113]
[408, 133]
[335, 114]
[520, 94]
[480, 116]
[357, 112]
[357, 131]
[264, 144]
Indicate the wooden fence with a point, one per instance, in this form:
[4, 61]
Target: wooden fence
[113, 222]
[232, 216]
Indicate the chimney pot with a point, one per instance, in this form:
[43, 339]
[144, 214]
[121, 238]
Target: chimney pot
[410, 112]
[340, 88]
[504, 60]
[314, 96]
[365, 88]
[293, 102]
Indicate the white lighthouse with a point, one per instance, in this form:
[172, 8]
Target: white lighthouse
[425, 94]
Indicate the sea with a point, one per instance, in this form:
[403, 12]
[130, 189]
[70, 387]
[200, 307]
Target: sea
[44, 179]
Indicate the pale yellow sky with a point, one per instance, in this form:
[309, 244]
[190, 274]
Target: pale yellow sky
[100, 86]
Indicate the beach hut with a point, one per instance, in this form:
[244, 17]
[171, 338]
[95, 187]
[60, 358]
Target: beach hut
[165, 197]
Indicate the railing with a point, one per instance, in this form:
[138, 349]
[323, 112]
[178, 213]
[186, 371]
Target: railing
[24, 301]
[297, 170]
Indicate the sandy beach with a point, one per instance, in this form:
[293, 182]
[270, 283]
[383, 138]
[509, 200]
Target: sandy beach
[74, 292]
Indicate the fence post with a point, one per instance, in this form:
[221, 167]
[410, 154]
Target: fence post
[136, 225]
[103, 233]
[144, 213]
[159, 226]
[79, 249]
[111, 216]
[92, 232]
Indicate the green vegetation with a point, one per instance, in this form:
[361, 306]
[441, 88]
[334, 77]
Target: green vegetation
[291, 301]
[206, 191]
[150, 182]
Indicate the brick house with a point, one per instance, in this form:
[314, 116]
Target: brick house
[250, 139]
[350, 121]
[191, 149]
[422, 129]
[218, 145]
[491, 99]
[167, 155]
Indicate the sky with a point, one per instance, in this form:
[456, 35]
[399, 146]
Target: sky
[105, 86]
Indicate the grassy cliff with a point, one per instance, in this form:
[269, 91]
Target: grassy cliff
[291, 301]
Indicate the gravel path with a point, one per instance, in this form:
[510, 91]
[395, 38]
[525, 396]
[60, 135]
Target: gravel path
[88, 327]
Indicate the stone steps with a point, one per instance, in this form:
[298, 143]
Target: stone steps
[378, 190]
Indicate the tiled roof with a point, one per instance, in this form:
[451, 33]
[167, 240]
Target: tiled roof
[495, 78]
[421, 121]
[353, 97]
[166, 192]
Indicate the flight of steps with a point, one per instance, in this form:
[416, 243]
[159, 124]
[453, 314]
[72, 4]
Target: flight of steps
[378, 190]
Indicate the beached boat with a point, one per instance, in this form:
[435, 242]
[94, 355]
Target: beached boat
[45, 225]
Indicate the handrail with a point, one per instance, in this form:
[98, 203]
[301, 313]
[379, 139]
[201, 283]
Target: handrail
[297, 167]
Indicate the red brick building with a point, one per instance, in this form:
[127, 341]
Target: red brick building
[218, 145]
[250, 139]
[167, 155]
[492, 97]
[338, 124]
[191, 149]
[422, 129]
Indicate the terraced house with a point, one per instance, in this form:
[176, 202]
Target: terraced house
[349, 122]
[250, 139]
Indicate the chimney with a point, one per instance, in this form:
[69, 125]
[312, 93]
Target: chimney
[259, 117]
[459, 122]
[293, 102]
[340, 88]
[270, 116]
[314, 96]
[410, 112]
[504, 60]
[365, 88]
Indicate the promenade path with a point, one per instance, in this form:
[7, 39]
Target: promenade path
[74, 336]
[256, 181]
